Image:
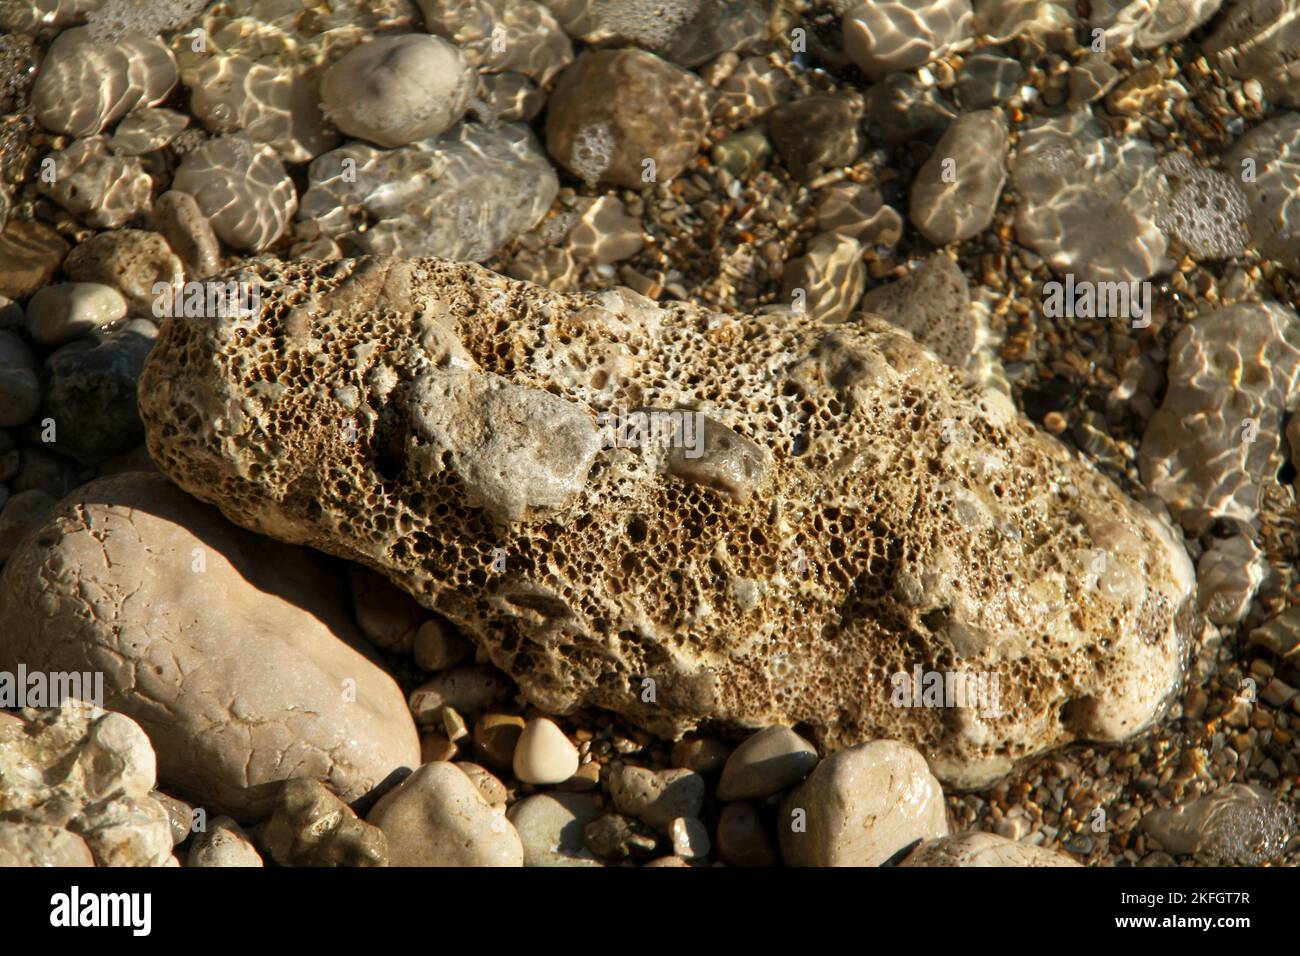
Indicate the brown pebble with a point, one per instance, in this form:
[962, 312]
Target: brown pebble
[495, 736]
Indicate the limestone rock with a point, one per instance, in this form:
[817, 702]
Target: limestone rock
[895, 35]
[242, 189]
[955, 194]
[1236, 825]
[902, 507]
[1089, 201]
[1271, 152]
[933, 303]
[826, 282]
[1216, 440]
[132, 261]
[312, 827]
[861, 806]
[1150, 23]
[612, 110]
[86, 83]
[437, 817]
[550, 827]
[395, 90]
[98, 187]
[983, 849]
[223, 844]
[462, 196]
[1258, 39]
[34, 844]
[83, 770]
[1204, 209]
[224, 647]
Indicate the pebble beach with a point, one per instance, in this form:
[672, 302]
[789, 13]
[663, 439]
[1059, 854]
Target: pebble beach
[610, 433]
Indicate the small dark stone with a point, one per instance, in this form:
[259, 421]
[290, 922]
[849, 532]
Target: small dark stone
[988, 79]
[92, 393]
[816, 133]
[616, 838]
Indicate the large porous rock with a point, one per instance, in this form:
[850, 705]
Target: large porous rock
[87, 776]
[843, 510]
[231, 652]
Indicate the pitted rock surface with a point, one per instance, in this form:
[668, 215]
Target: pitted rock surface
[870, 510]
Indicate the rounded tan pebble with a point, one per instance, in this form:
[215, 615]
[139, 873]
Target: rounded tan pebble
[131, 261]
[62, 312]
[543, 754]
[100, 188]
[438, 817]
[467, 689]
[178, 219]
[395, 90]
[766, 763]
[437, 646]
[860, 807]
[551, 825]
[223, 844]
[243, 189]
[657, 798]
